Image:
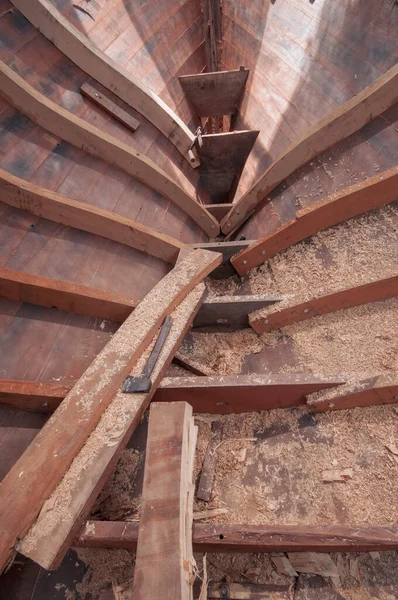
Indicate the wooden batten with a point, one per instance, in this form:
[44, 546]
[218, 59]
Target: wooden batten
[85, 54]
[109, 106]
[92, 140]
[341, 123]
[40, 469]
[337, 208]
[290, 311]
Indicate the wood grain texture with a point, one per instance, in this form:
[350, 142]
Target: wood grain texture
[33, 395]
[217, 93]
[84, 53]
[205, 486]
[92, 140]
[342, 122]
[109, 106]
[295, 312]
[164, 559]
[336, 208]
[36, 474]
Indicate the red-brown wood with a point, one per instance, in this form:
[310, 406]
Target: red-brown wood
[109, 106]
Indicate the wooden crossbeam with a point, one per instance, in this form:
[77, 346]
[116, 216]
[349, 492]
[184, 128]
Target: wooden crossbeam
[218, 210]
[109, 106]
[36, 200]
[42, 466]
[164, 559]
[212, 537]
[80, 133]
[85, 54]
[292, 311]
[337, 208]
[341, 123]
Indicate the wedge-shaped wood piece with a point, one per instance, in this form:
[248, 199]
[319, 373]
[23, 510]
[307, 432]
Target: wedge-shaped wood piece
[340, 206]
[381, 389]
[217, 93]
[67, 508]
[92, 140]
[61, 209]
[291, 311]
[313, 562]
[86, 55]
[213, 537]
[42, 466]
[228, 250]
[243, 393]
[109, 106]
[164, 559]
[218, 210]
[64, 295]
[340, 124]
[231, 312]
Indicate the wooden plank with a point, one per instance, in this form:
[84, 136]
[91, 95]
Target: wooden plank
[205, 486]
[249, 591]
[218, 210]
[109, 106]
[209, 537]
[231, 312]
[67, 508]
[337, 208]
[291, 311]
[33, 395]
[92, 140]
[164, 559]
[243, 393]
[64, 295]
[86, 55]
[217, 93]
[228, 250]
[373, 391]
[341, 123]
[39, 470]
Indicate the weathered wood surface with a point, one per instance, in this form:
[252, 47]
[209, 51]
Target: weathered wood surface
[293, 312]
[217, 93]
[64, 512]
[205, 486]
[82, 134]
[243, 393]
[340, 206]
[208, 537]
[231, 312]
[338, 125]
[249, 591]
[84, 53]
[36, 474]
[228, 250]
[109, 106]
[33, 395]
[381, 389]
[164, 559]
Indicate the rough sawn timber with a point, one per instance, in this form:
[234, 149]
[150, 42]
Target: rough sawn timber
[164, 559]
[336, 208]
[293, 312]
[85, 54]
[39, 470]
[86, 217]
[80, 133]
[109, 106]
[341, 123]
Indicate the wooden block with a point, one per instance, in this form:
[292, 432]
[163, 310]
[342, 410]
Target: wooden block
[249, 591]
[313, 562]
[210, 462]
[218, 210]
[109, 106]
[231, 312]
[283, 565]
[228, 250]
[164, 559]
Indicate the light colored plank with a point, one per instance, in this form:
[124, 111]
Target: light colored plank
[341, 123]
[92, 140]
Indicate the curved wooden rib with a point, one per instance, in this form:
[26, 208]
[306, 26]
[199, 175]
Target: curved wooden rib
[80, 50]
[81, 134]
[381, 289]
[341, 123]
[350, 202]
[61, 209]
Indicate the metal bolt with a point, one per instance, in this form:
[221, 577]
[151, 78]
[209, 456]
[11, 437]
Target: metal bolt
[331, 404]
[244, 262]
[202, 215]
[229, 224]
[211, 226]
[224, 591]
[262, 251]
[96, 94]
[45, 404]
[238, 212]
[265, 321]
[306, 310]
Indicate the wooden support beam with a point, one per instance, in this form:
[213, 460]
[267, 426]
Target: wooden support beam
[216, 93]
[218, 210]
[109, 106]
[231, 312]
[53, 533]
[211, 537]
[164, 559]
[228, 250]
[212, 33]
[86, 217]
[85, 54]
[42, 466]
[291, 311]
[373, 391]
[92, 140]
[341, 123]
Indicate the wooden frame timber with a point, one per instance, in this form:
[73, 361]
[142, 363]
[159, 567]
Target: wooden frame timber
[341, 123]
[336, 208]
[39, 470]
[92, 140]
[211, 537]
[80, 50]
[109, 106]
[290, 311]
[86, 217]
